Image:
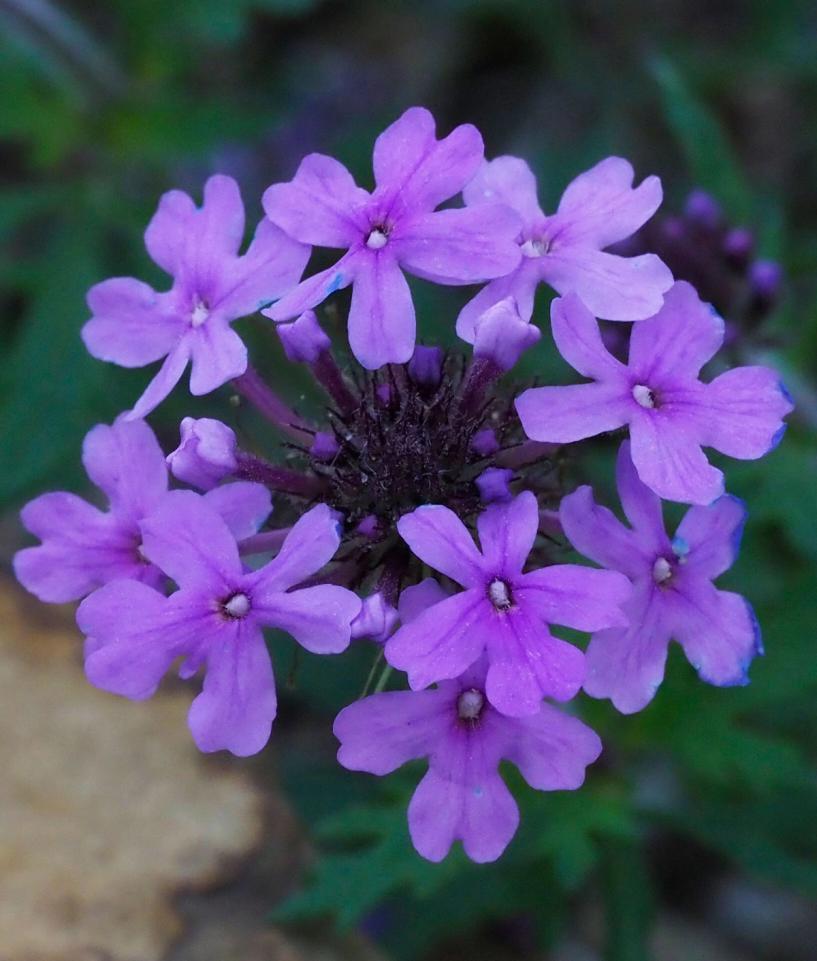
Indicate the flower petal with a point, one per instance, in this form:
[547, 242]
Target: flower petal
[319, 618]
[321, 205]
[315, 289]
[574, 596]
[218, 355]
[308, 547]
[132, 325]
[565, 414]
[673, 346]
[641, 505]
[507, 532]
[507, 180]
[578, 338]
[437, 536]
[612, 287]
[601, 207]
[237, 705]
[598, 534]
[443, 641]
[382, 326]
[417, 597]
[416, 172]
[459, 246]
[168, 375]
[520, 285]
[742, 412]
[381, 732]
[242, 505]
[708, 538]
[188, 540]
[626, 664]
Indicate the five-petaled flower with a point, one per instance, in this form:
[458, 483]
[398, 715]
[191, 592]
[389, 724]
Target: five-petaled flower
[462, 795]
[83, 547]
[671, 413]
[214, 619]
[502, 611]
[566, 249]
[673, 595]
[394, 228]
[133, 325]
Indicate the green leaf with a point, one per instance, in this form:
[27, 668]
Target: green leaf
[628, 901]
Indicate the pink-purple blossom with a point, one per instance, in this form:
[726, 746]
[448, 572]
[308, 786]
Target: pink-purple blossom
[462, 795]
[215, 619]
[134, 325]
[84, 547]
[670, 412]
[395, 228]
[566, 249]
[206, 453]
[502, 612]
[673, 594]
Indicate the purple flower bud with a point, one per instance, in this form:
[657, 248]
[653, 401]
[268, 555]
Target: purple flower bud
[502, 335]
[303, 339]
[426, 366]
[765, 277]
[738, 245]
[376, 620]
[324, 446]
[206, 454]
[494, 484]
[484, 442]
[369, 526]
[702, 209]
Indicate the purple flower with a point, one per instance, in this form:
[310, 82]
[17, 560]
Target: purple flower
[501, 336]
[599, 208]
[206, 453]
[462, 795]
[395, 228]
[673, 595]
[670, 412]
[501, 611]
[215, 618]
[83, 547]
[376, 619]
[133, 325]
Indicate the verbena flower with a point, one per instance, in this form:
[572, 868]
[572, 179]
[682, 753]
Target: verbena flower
[670, 412]
[84, 547]
[462, 796]
[206, 453]
[673, 595]
[133, 325]
[395, 228]
[502, 612]
[215, 618]
[566, 249]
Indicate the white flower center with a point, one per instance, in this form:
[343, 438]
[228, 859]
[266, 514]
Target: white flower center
[199, 314]
[377, 239]
[470, 704]
[499, 594]
[237, 606]
[661, 570]
[535, 247]
[643, 396]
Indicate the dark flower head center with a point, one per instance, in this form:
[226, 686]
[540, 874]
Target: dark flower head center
[470, 705]
[236, 606]
[500, 594]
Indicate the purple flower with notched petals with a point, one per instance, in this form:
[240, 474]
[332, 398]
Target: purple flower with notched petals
[215, 618]
[566, 250]
[501, 611]
[673, 595]
[133, 325]
[462, 795]
[395, 228]
[83, 547]
[671, 413]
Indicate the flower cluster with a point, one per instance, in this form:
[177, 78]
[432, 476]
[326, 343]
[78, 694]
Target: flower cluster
[422, 450]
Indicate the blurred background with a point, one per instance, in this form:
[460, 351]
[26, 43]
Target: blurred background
[695, 836]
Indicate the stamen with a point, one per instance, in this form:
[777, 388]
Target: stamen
[535, 247]
[377, 239]
[500, 595]
[643, 396]
[199, 314]
[470, 704]
[661, 570]
[237, 606]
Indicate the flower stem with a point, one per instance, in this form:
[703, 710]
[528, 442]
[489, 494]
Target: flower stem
[255, 389]
[280, 479]
[263, 543]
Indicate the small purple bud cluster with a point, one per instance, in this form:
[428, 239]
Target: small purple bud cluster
[421, 452]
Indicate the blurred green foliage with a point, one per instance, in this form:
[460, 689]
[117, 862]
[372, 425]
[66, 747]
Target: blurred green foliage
[104, 107]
